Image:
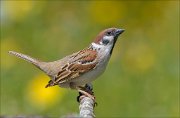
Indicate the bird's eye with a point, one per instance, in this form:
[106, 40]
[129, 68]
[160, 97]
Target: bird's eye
[105, 42]
[108, 33]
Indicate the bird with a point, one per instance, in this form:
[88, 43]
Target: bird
[80, 68]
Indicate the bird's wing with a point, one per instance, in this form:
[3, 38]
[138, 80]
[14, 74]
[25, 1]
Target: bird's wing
[78, 64]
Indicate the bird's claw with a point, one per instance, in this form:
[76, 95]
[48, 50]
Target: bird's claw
[86, 92]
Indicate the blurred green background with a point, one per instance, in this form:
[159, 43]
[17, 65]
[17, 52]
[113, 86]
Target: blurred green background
[141, 80]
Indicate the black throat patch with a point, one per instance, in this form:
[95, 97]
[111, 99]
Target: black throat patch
[113, 45]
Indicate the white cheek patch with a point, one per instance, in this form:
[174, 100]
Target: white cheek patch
[108, 37]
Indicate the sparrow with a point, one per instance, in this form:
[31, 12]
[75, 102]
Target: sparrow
[78, 69]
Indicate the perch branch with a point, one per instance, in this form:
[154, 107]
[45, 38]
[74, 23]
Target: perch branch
[86, 107]
[87, 104]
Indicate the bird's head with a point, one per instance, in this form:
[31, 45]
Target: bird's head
[107, 38]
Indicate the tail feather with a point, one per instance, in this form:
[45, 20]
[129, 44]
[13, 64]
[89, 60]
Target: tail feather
[25, 57]
[51, 83]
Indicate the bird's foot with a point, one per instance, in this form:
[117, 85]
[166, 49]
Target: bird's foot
[86, 92]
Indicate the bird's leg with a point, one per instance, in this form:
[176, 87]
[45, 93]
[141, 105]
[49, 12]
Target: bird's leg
[86, 91]
[86, 94]
[89, 88]
[82, 90]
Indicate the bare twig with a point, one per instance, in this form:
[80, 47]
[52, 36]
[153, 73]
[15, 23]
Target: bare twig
[86, 107]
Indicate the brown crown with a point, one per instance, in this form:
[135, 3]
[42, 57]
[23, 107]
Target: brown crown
[101, 34]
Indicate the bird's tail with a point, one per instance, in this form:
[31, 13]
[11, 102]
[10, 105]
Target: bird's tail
[25, 57]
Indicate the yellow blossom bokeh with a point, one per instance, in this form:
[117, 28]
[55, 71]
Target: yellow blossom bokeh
[42, 97]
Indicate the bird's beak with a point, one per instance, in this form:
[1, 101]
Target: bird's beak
[119, 31]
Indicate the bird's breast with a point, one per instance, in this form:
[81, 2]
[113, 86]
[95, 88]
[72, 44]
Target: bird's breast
[91, 75]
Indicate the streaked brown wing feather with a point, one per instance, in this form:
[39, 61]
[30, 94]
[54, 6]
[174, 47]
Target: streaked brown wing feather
[79, 64]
